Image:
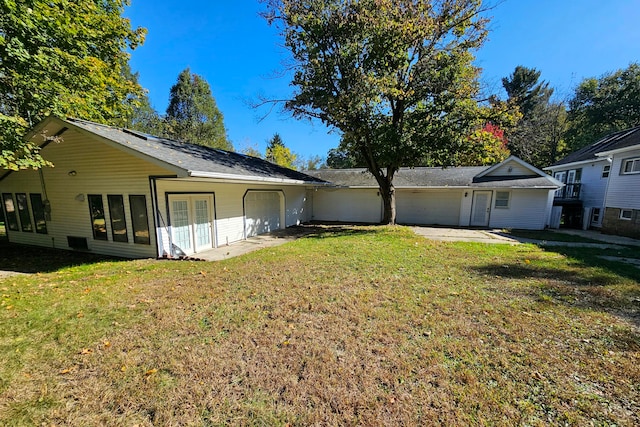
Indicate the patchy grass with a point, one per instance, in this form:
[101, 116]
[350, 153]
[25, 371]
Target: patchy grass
[550, 236]
[361, 326]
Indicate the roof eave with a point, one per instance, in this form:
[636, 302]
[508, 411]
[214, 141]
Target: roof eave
[233, 177]
[570, 164]
[618, 151]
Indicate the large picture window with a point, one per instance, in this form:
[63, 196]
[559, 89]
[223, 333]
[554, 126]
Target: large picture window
[139, 219]
[98, 222]
[10, 212]
[39, 217]
[23, 212]
[118, 221]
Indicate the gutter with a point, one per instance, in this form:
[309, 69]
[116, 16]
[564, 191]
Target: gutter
[234, 177]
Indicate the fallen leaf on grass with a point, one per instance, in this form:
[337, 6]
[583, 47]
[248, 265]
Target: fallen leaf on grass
[86, 351]
[151, 372]
[67, 370]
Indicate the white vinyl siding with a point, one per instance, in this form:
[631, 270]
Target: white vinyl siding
[106, 171]
[624, 189]
[347, 205]
[428, 207]
[511, 168]
[528, 210]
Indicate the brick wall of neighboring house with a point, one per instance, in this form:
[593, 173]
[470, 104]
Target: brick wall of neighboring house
[613, 224]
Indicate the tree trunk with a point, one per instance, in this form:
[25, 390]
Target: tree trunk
[388, 194]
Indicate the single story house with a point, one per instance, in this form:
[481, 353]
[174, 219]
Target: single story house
[120, 192]
[602, 184]
[510, 194]
[125, 193]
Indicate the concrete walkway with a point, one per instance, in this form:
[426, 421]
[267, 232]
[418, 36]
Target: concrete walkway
[498, 236]
[464, 235]
[255, 243]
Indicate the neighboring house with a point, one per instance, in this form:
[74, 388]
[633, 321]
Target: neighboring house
[602, 185]
[511, 194]
[124, 193]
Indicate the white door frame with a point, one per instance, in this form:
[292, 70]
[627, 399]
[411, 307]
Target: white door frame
[192, 200]
[476, 219]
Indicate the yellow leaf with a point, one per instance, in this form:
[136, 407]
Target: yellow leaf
[151, 372]
[86, 351]
[106, 343]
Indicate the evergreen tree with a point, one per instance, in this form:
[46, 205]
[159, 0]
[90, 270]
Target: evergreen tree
[279, 154]
[193, 116]
[537, 137]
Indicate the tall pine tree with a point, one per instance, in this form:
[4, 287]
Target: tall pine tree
[192, 114]
[537, 138]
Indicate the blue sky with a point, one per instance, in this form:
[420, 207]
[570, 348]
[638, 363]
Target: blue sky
[240, 56]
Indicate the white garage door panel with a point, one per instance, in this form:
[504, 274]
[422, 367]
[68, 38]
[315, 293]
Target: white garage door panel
[347, 205]
[262, 212]
[430, 207]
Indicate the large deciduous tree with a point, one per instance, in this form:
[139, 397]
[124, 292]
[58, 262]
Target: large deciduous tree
[192, 114]
[62, 57]
[394, 76]
[605, 105]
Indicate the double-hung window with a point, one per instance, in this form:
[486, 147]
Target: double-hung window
[502, 200]
[630, 166]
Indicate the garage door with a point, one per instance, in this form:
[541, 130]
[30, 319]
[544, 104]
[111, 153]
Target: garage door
[263, 212]
[347, 205]
[428, 207]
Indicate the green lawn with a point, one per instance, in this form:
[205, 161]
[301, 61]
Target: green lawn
[551, 236]
[358, 326]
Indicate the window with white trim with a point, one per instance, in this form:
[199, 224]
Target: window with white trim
[630, 166]
[502, 200]
[595, 216]
[626, 214]
[605, 171]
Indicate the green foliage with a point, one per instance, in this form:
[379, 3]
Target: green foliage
[395, 77]
[64, 58]
[311, 163]
[340, 159]
[538, 136]
[192, 114]
[252, 151]
[605, 105]
[486, 146]
[523, 87]
[279, 154]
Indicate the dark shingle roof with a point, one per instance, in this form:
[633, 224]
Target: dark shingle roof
[192, 157]
[433, 177]
[614, 141]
